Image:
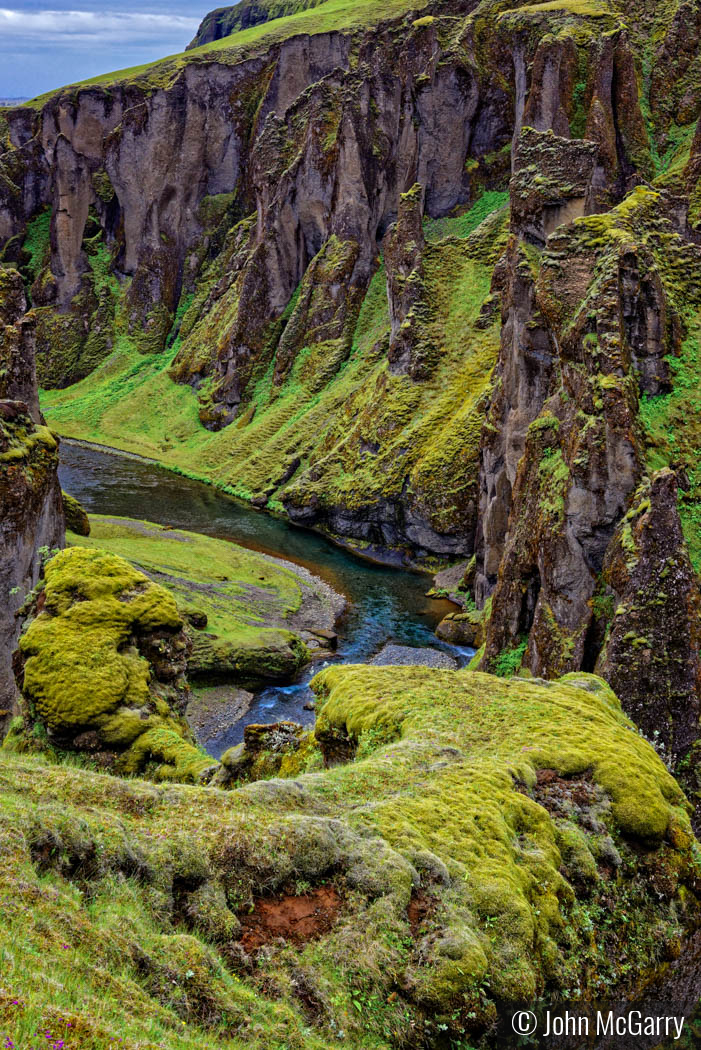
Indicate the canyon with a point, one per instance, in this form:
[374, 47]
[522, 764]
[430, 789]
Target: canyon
[424, 279]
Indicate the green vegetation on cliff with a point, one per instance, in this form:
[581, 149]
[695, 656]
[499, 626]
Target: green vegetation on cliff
[227, 20]
[466, 856]
[328, 16]
[335, 427]
[672, 423]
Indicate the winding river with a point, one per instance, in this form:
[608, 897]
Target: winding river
[384, 604]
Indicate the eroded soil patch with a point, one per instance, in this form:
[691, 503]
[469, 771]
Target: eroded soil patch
[561, 794]
[421, 908]
[296, 918]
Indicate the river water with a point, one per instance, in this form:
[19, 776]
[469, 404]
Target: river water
[384, 604]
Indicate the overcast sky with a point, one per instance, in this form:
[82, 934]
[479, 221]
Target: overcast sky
[44, 45]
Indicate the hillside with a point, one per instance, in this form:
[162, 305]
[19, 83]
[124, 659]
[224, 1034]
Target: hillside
[341, 906]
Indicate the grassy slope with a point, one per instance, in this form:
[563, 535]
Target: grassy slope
[329, 16]
[673, 427]
[243, 593]
[130, 402]
[115, 917]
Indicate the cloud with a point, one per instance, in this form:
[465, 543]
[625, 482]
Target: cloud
[89, 27]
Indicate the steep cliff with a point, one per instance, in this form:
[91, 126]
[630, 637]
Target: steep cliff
[227, 20]
[284, 261]
[31, 513]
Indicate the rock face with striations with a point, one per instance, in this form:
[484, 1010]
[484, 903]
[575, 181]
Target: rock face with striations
[651, 606]
[31, 514]
[306, 229]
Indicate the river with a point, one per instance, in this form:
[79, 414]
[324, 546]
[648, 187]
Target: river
[384, 604]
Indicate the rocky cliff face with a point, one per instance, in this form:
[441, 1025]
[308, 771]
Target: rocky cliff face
[31, 514]
[296, 259]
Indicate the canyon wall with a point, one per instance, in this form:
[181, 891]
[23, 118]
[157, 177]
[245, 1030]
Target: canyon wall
[31, 513]
[306, 250]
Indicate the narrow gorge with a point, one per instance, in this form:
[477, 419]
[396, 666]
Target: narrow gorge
[421, 284]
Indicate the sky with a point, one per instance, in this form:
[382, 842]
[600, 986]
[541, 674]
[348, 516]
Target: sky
[44, 45]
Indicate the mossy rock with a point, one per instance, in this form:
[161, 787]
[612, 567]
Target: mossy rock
[243, 606]
[76, 517]
[488, 843]
[275, 656]
[462, 628]
[103, 668]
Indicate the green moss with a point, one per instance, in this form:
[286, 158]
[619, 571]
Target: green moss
[82, 666]
[37, 244]
[125, 897]
[477, 658]
[421, 708]
[464, 224]
[672, 425]
[585, 8]
[75, 671]
[22, 442]
[247, 599]
[76, 518]
[508, 662]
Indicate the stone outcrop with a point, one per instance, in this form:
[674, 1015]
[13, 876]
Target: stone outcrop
[227, 20]
[101, 668]
[591, 324]
[31, 515]
[76, 517]
[650, 608]
[410, 349]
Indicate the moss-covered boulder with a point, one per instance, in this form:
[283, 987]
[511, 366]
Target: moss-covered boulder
[462, 628]
[76, 517]
[101, 670]
[279, 749]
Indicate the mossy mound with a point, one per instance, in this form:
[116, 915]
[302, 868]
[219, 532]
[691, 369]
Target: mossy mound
[486, 844]
[103, 669]
[245, 608]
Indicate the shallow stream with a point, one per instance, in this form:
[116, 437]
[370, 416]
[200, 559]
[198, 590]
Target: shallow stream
[383, 604]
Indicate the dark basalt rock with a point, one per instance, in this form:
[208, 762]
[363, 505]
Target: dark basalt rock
[76, 517]
[410, 349]
[651, 650]
[31, 513]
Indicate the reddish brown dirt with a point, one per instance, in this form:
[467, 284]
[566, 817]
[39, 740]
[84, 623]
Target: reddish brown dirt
[421, 907]
[297, 919]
